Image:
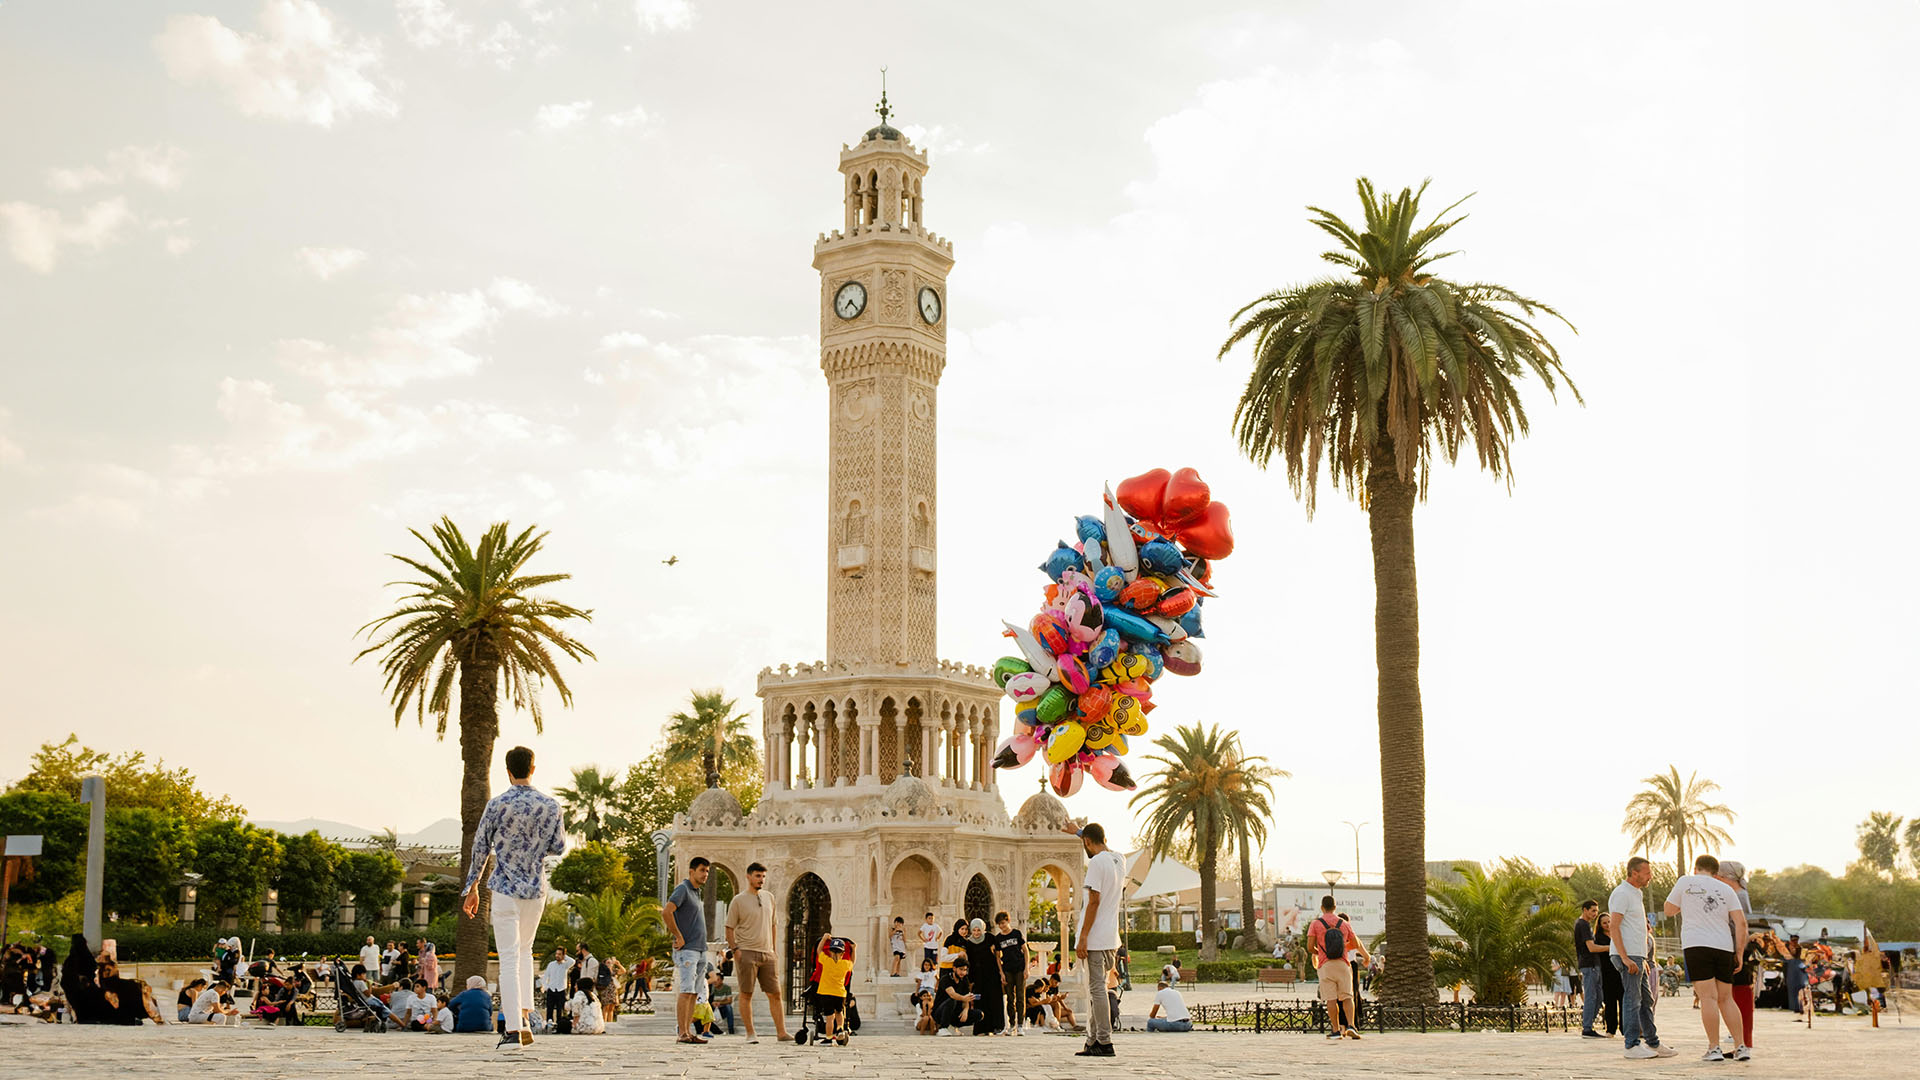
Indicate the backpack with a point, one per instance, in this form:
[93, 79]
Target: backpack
[1333, 943]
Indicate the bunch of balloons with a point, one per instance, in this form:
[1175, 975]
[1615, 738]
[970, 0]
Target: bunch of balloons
[1124, 606]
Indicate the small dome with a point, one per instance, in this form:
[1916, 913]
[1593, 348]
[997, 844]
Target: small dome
[884, 131]
[716, 805]
[1042, 813]
[910, 796]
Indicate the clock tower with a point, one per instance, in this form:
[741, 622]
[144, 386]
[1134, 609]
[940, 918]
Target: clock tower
[883, 344]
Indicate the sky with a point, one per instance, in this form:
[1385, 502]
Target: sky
[283, 280]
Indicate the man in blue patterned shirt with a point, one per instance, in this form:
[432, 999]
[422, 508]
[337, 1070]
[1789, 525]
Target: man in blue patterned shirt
[520, 828]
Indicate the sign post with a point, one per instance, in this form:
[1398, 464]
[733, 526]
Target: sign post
[93, 791]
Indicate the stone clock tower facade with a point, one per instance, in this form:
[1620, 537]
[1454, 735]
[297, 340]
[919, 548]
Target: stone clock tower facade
[879, 795]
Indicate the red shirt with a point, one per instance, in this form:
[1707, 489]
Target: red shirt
[1318, 932]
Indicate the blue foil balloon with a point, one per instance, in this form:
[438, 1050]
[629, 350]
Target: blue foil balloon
[1107, 584]
[1152, 654]
[1104, 648]
[1089, 527]
[1160, 557]
[1062, 560]
[1133, 627]
[1190, 622]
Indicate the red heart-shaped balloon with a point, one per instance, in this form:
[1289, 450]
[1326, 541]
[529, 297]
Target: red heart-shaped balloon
[1186, 499]
[1142, 495]
[1211, 535]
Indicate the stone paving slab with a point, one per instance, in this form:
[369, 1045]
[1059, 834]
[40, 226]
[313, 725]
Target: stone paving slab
[1843, 1047]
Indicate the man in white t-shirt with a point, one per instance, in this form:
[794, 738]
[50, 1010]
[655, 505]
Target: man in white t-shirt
[1632, 952]
[1713, 934]
[370, 956]
[1099, 934]
[1169, 1012]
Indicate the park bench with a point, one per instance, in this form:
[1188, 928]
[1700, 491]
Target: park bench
[1273, 977]
[1187, 977]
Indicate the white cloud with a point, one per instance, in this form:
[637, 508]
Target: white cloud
[36, 234]
[427, 24]
[561, 117]
[658, 15]
[939, 139]
[502, 45]
[632, 118]
[159, 165]
[623, 339]
[301, 66]
[516, 295]
[537, 11]
[422, 337]
[328, 262]
[178, 244]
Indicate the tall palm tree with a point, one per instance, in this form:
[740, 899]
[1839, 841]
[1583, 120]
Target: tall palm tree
[586, 806]
[1204, 794]
[1375, 372]
[1675, 813]
[473, 617]
[1507, 924]
[1879, 840]
[712, 726]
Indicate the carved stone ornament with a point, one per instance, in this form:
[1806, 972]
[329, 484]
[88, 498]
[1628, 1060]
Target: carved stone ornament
[893, 295]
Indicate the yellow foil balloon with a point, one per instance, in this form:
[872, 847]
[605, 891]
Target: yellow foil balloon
[1100, 735]
[1128, 666]
[1126, 716]
[1064, 740]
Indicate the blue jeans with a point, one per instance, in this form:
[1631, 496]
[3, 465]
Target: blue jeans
[1161, 1023]
[1592, 989]
[725, 1013]
[1796, 982]
[1636, 1005]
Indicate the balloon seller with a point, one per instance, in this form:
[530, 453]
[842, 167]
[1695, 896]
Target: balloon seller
[1123, 607]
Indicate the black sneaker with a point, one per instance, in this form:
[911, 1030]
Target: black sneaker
[1591, 1035]
[1095, 1050]
[509, 1041]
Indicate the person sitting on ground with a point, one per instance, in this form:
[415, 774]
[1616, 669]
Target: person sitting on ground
[954, 999]
[187, 994]
[425, 1010]
[400, 1002]
[128, 1001]
[77, 984]
[830, 993]
[720, 1000]
[210, 1008]
[472, 1007]
[1057, 1001]
[922, 1001]
[1039, 1013]
[1169, 1012]
[584, 1008]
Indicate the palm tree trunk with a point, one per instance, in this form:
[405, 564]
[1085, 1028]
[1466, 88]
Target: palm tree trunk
[1246, 885]
[1403, 761]
[479, 727]
[1209, 898]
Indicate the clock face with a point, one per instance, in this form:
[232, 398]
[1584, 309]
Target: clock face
[929, 305]
[850, 301]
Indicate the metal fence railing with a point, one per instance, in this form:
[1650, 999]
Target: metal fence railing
[1311, 1017]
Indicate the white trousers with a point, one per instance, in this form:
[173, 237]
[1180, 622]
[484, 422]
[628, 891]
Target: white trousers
[515, 921]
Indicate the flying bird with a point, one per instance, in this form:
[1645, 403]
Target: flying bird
[670, 560]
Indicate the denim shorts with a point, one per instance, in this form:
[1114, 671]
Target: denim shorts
[686, 970]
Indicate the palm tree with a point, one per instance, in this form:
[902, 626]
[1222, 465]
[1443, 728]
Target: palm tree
[1674, 813]
[1507, 925]
[586, 805]
[712, 727]
[1374, 372]
[1879, 840]
[474, 618]
[1204, 795]
[613, 925]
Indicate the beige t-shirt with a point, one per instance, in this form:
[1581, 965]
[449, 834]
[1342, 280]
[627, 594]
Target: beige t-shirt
[750, 917]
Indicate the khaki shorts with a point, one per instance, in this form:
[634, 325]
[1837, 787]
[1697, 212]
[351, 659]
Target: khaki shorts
[758, 967]
[1336, 980]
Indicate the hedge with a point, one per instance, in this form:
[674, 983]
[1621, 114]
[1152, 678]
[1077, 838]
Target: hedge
[1138, 941]
[160, 944]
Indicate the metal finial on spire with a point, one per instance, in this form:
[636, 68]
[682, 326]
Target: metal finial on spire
[882, 108]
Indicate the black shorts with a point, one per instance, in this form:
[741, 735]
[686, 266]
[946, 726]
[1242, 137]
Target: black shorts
[828, 1004]
[1704, 963]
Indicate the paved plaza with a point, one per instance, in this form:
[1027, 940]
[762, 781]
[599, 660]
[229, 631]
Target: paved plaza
[1843, 1047]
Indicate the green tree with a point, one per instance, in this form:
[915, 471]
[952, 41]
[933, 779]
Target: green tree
[1198, 800]
[307, 881]
[1913, 841]
[235, 862]
[653, 792]
[62, 823]
[1508, 924]
[585, 805]
[614, 924]
[474, 618]
[1674, 813]
[1879, 840]
[131, 782]
[592, 868]
[148, 852]
[1374, 372]
[711, 726]
[373, 877]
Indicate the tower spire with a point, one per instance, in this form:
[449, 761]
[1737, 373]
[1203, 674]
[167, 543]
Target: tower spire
[882, 108]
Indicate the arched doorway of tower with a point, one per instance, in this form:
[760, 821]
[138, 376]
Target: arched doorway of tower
[809, 915]
[978, 903]
[915, 887]
[1050, 914]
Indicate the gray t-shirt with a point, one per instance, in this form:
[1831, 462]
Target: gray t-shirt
[1631, 905]
[690, 916]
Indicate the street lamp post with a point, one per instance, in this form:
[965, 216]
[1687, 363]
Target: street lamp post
[1356, 846]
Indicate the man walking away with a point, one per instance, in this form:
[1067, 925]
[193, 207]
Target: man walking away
[750, 935]
[1591, 956]
[1099, 935]
[688, 922]
[1632, 957]
[1713, 935]
[518, 830]
[1332, 939]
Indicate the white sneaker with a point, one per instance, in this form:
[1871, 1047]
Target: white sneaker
[1641, 1051]
[1663, 1050]
[946, 1031]
[1019, 1031]
[751, 1039]
[1713, 1054]
[1743, 1053]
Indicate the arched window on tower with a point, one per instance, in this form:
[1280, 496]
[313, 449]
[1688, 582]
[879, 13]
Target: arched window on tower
[856, 205]
[873, 196]
[917, 223]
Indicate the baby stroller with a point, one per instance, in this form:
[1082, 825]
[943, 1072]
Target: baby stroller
[810, 1026]
[351, 1008]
